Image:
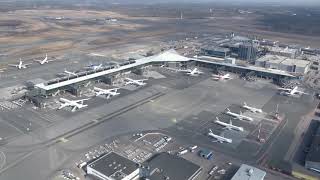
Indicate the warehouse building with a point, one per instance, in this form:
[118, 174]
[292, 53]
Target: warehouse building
[112, 166]
[283, 63]
[246, 172]
[312, 161]
[167, 166]
[286, 52]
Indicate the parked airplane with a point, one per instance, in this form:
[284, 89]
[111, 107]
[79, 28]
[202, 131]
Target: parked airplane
[221, 77]
[45, 60]
[70, 73]
[108, 92]
[191, 72]
[228, 126]
[194, 72]
[139, 82]
[95, 67]
[291, 92]
[252, 109]
[238, 116]
[2, 70]
[220, 139]
[20, 65]
[76, 104]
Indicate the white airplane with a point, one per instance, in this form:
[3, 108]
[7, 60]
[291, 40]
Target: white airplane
[228, 126]
[76, 104]
[2, 69]
[20, 65]
[291, 92]
[70, 73]
[108, 92]
[139, 82]
[194, 72]
[45, 60]
[191, 72]
[252, 109]
[95, 67]
[238, 116]
[221, 77]
[220, 139]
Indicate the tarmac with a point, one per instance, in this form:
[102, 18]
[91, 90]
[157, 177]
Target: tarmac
[178, 105]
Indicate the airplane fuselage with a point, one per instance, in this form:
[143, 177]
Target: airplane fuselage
[252, 109]
[229, 126]
[239, 116]
[136, 82]
[110, 92]
[219, 138]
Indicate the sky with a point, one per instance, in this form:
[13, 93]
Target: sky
[282, 2]
[269, 2]
[287, 2]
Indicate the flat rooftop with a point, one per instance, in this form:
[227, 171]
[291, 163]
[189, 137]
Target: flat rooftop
[283, 60]
[246, 172]
[283, 50]
[314, 153]
[251, 68]
[168, 56]
[167, 165]
[214, 48]
[112, 164]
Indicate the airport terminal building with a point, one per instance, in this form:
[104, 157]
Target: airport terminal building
[72, 83]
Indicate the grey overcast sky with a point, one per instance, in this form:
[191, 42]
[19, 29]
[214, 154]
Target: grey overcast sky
[284, 2]
[257, 1]
[269, 2]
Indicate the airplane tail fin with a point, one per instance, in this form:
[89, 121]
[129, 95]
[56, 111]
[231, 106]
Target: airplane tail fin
[228, 110]
[244, 103]
[217, 119]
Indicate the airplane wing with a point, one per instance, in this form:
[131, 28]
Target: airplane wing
[216, 75]
[284, 89]
[98, 89]
[63, 105]
[113, 90]
[301, 92]
[183, 70]
[98, 93]
[13, 65]
[129, 79]
[80, 100]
